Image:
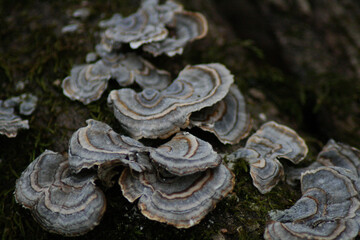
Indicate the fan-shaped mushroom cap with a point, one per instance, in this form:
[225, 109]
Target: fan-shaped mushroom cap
[227, 119]
[189, 26]
[185, 154]
[153, 113]
[97, 144]
[263, 149]
[86, 83]
[139, 28]
[9, 122]
[62, 203]
[178, 201]
[328, 209]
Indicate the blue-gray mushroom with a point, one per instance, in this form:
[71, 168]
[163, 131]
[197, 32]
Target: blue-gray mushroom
[181, 201]
[97, 144]
[328, 209]
[188, 26]
[333, 154]
[185, 154]
[227, 119]
[60, 201]
[159, 114]
[263, 151]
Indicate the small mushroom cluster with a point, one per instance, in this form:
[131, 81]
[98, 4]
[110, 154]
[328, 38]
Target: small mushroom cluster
[87, 82]
[263, 150]
[178, 182]
[328, 209]
[10, 123]
[330, 205]
[150, 26]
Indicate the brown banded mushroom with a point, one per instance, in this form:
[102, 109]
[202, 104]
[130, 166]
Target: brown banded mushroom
[263, 151]
[10, 123]
[328, 209]
[227, 119]
[188, 26]
[60, 202]
[152, 113]
[185, 154]
[97, 144]
[178, 201]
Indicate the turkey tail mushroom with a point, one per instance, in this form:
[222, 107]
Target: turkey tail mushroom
[153, 114]
[263, 151]
[328, 209]
[62, 203]
[185, 154]
[181, 201]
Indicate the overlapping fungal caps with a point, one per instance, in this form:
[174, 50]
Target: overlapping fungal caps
[159, 114]
[60, 202]
[328, 209]
[127, 68]
[181, 201]
[10, 123]
[188, 26]
[149, 26]
[143, 26]
[87, 82]
[185, 154]
[263, 151]
[97, 144]
[227, 119]
[333, 154]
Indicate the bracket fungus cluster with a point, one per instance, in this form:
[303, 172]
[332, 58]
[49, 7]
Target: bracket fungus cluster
[152, 113]
[333, 154]
[10, 123]
[60, 201]
[263, 151]
[330, 205]
[150, 25]
[328, 209]
[177, 183]
[86, 83]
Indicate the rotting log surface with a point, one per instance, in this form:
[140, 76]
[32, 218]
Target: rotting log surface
[318, 96]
